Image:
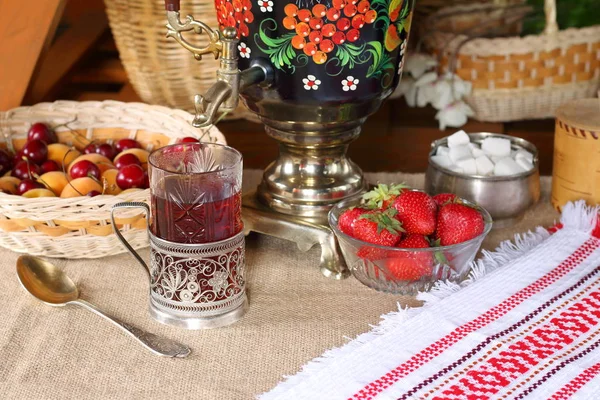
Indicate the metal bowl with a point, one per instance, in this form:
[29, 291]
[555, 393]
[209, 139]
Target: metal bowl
[506, 198]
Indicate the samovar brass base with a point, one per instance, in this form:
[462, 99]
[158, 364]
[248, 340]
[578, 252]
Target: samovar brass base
[304, 231]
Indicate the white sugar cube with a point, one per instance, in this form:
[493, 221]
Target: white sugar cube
[442, 160]
[524, 155]
[495, 159]
[468, 166]
[476, 150]
[507, 166]
[460, 153]
[523, 163]
[484, 166]
[442, 151]
[457, 139]
[498, 147]
[456, 168]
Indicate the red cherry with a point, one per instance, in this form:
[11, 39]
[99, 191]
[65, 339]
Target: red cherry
[188, 139]
[333, 14]
[291, 10]
[319, 10]
[41, 131]
[328, 30]
[90, 148]
[243, 29]
[127, 159]
[315, 37]
[350, 10]
[49, 166]
[304, 15]
[358, 21]
[36, 151]
[370, 16]
[338, 4]
[93, 193]
[237, 5]
[126, 144]
[352, 35]
[131, 176]
[315, 23]
[326, 46]
[146, 180]
[310, 49]
[6, 162]
[28, 184]
[106, 150]
[343, 24]
[85, 168]
[363, 6]
[25, 170]
[338, 37]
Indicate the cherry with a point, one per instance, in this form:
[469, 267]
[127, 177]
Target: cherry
[49, 166]
[127, 159]
[338, 38]
[41, 131]
[350, 10]
[319, 57]
[304, 15]
[333, 14]
[291, 10]
[146, 180]
[358, 21]
[248, 18]
[6, 162]
[298, 42]
[126, 144]
[106, 150]
[85, 168]
[28, 184]
[353, 35]
[315, 23]
[302, 29]
[131, 176]
[319, 10]
[328, 30]
[370, 16]
[237, 5]
[36, 151]
[188, 139]
[310, 49]
[93, 193]
[338, 4]
[90, 148]
[343, 24]
[315, 37]
[289, 23]
[24, 170]
[326, 46]
[363, 6]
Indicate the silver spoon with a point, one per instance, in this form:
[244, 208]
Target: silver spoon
[51, 285]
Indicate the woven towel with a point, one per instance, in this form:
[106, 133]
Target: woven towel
[525, 325]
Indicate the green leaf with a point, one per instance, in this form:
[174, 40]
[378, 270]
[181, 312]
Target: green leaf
[279, 49]
[349, 54]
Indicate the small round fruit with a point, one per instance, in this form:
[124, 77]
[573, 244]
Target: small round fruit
[298, 42]
[326, 46]
[328, 30]
[131, 176]
[142, 155]
[291, 10]
[333, 14]
[315, 23]
[237, 5]
[363, 6]
[109, 182]
[319, 57]
[9, 184]
[304, 15]
[358, 21]
[62, 154]
[80, 187]
[370, 16]
[319, 10]
[55, 181]
[350, 10]
[101, 162]
[302, 29]
[338, 38]
[25, 170]
[126, 144]
[315, 37]
[84, 168]
[35, 193]
[90, 148]
[343, 24]
[6, 161]
[49, 166]
[36, 151]
[310, 49]
[352, 35]
[106, 150]
[338, 4]
[239, 17]
[41, 131]
[243, 29]
[28, 184]
[289, 23]
[188, 139]
[127, 159]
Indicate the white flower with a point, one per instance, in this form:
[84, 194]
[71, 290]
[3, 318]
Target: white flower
[244, 50]
[192, 287]
[265, 5]
[349, 83]
[454, 115]
[219, 281]
[311, 82]
[417, 64]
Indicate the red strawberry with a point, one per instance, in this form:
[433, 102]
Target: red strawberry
[348, 218]
[457, 223]
[378, 227]
[383, 195]
[413, 242]
[410, 266]
[444, 198]
[417, 212]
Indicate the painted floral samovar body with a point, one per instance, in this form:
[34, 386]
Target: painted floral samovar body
[313, 72]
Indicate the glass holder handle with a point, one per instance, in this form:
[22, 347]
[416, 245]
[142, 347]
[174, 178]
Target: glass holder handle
[130, 204]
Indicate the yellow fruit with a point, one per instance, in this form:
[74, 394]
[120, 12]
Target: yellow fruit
[55, 181]
[59, 152]
[141, 154]
[109, 181]
[392, 39]
[33, 193]
[9, 184]
[101, 162]
[80, 187]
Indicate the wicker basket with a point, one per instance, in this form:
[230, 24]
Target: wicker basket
[79, 227]
[160, 70]
[519, 78]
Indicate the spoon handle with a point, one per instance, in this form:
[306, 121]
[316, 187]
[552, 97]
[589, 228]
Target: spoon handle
[156, 344]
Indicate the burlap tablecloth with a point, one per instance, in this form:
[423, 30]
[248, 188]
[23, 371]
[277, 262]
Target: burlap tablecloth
[295, 315]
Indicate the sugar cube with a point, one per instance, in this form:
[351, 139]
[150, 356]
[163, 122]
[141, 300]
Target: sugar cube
[484, 165]
[468, 166]
[456, 168]
[523, 163]
[524, 155]
[498, 147]
[457, 139]
[495, 159]
[476, 150]
[459, 153]
[507, 166]
[442, 160]
[442, 150]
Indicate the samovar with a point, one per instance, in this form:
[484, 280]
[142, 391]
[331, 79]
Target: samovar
[312, 71]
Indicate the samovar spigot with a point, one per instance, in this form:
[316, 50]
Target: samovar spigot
[223, 96]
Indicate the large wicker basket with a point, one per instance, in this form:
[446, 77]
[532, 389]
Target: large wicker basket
[80, 227]
[519, 78]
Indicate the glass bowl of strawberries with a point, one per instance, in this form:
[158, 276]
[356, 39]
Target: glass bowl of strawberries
[400, 240]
